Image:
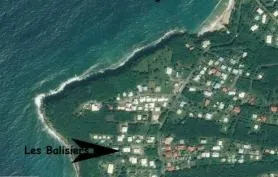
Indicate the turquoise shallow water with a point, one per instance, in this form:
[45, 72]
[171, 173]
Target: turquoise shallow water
[42, 43]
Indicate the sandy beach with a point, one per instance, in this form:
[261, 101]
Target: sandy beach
[218, 22]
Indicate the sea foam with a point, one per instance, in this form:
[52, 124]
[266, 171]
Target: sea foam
[38, 100]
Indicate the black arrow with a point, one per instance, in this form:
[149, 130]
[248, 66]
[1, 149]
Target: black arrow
[98, 150]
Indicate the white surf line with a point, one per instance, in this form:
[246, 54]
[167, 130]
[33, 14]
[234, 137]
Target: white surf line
[213, 22]
[50, 129]
[38, 100]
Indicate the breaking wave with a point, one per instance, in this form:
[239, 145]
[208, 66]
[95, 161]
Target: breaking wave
[38, 100]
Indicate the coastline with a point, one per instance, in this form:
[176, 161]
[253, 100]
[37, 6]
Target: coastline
[214, 22]
[39, 98]
[50, 130]
[218, 18]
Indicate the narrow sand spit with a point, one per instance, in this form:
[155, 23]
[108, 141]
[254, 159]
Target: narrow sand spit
[219, 22]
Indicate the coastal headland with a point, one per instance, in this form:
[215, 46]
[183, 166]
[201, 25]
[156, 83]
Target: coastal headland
[186, 102]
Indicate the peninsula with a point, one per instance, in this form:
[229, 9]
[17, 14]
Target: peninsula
[202, 104]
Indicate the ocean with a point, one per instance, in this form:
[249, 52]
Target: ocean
[43, 43]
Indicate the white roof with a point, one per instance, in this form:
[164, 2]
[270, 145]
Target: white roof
[130, 94]
[221, 105]
[215, 154]
[210, 62]
[126, 149]
[139, 117]
[205, 154]
[129, 139]
[208, 116]
[169, 70]
[124, 94]
[144, 162]
[192, 89]
[241, 94]
[208, 93]
[264, 19]
[260, 11]
[254, 116]
[225, 120]
[137, 151]
[152, 164]
[275, 13]
[246, 146]
[110, 169]
[133, 160]
[216, 148]
[120, 138]
[206, 44]
[231, 93]
[220, 142]
[139, 87]
[254, 27]
[179, 111]
[256, 126]
[269, 39]
[244, 54]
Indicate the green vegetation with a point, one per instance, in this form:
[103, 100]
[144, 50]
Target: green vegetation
[158, 107]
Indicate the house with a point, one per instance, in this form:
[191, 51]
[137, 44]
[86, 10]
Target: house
[260, 76]
[256, 127]
[254, 28]
[236, 109]
[150, 139]
[140, 88]
[241, 94]
[269, 39]
[205, 154]
[168, 140]
[264, 19]
[208, 93]
[152, 164]
[139, 117]
[203, 141]
[208, 116]
[169, 71]
[215, 155]
[220, 143]
[126, 149]
[260, 11]
[133, 160]
[120, 138]
[274, 109]
[226, 120]
[144, 162]
[138, 151]
[110, 169]
[192, 89]
[179, 111]
[244, 54]
[206, 44]
[129, 139]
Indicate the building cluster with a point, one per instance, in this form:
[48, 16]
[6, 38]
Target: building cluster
[266, 117]
[261, 19]
[92, 106]
[132, 150]
[216, 81]
[270, 175]
[179, 155]
[143, 101]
